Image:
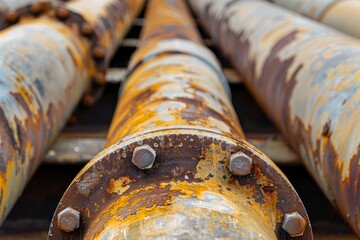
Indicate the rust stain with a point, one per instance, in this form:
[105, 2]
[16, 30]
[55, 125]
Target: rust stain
[175, 102]
[305, 76]
[119, 186]
[46, 68]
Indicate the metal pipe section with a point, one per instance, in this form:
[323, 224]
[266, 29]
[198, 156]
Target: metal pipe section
[45, 67]
[307, 78]
[104, 23]
[176, 164]
[342, 15]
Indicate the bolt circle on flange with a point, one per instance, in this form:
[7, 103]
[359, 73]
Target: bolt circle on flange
[68, 220]
[294, 224]
[240, 164]
[144, 157]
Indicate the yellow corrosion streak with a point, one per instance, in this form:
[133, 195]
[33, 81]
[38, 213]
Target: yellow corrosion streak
[260, 217]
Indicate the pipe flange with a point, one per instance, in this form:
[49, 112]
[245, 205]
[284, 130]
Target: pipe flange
[112, 187]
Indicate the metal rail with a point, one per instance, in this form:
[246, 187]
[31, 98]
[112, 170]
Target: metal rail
[176, 163]
[45, 68]
[307, 78]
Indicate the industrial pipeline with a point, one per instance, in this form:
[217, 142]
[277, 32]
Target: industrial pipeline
[342, 15]
[176, 163]
[307, 78]
[46, 64]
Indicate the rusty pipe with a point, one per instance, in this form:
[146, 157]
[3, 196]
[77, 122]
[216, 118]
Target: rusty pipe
[176, 165]
[104, 23]
[45, 67]
[306, 77]
[342, 15]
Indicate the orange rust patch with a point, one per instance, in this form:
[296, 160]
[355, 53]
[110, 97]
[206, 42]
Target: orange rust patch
[119, 186]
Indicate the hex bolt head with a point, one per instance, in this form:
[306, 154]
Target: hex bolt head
[68, 220]
[294, 224]
[240, 164]
[11, 16]
[37, 8]
[98, 53]
[86, 29]
[62, 13]
[100, 78]
[144, 157]
[88, 100]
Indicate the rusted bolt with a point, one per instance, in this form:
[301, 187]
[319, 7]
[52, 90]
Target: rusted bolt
[68, 220]
[86, 29]
[62, 13]
[37, 8]
[144, 157]
[100, 78]
[240, 164]
[294, 224]
[11, 16]
[98, 52]
[88, 100]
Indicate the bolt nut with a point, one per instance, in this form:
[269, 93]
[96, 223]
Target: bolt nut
[68, 220]
[86, 29]
[100, 78]
[99, 52]
[240, 164]
[294, 224]
[37, 8]
[144, 157]
[11, 16]
[62, 13]
[88, 100]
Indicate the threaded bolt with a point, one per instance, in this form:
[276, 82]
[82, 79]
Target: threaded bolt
[144, 157]
[68, 220]
[240, 164]
[294, 224]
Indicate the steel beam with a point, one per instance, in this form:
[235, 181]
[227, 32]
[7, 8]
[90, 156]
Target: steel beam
[306, 76]
[177, 165]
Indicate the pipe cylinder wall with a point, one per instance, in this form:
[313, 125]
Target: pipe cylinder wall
[307, 78]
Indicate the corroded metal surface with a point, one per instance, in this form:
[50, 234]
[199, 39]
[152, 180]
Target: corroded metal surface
[342, 15]
[307, 78]
[45, 67]
[165, 172]
[35, 102]
[103, 23]
[11, 11]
